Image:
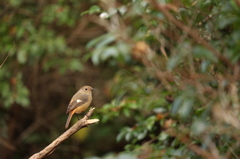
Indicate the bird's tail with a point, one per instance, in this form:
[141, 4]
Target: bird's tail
[69, 119]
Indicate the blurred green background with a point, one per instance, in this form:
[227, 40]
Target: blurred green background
[165, 72]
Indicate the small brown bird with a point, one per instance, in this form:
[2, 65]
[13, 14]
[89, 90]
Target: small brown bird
[79, 102]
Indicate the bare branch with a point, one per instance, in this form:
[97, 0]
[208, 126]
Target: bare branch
[77, 126]
[7, 56]
[7, 144]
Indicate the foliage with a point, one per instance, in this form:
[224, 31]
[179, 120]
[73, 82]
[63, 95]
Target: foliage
[178, 91]
[34, 44]
[36, 52]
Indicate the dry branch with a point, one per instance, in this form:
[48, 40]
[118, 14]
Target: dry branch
[77, 126]
[7, 56]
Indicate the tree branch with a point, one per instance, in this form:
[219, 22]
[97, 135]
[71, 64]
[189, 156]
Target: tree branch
[77, 126]
[7, 56]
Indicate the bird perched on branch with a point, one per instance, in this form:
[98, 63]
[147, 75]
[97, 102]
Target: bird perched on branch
[79, 102]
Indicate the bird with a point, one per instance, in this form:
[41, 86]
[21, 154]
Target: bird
[79, 102]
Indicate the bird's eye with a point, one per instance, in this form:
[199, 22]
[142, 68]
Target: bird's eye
[85, 89]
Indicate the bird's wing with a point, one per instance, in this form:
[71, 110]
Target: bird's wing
[77, 101]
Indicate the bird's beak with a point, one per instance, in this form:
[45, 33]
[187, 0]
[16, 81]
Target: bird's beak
[92, 89]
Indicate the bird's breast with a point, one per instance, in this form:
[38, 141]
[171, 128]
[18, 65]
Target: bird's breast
[81, 108]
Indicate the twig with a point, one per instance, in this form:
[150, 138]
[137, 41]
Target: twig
[7, 144]
[77, 126]
[7, 56]
[77, 32]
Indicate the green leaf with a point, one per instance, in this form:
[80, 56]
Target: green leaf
[186, 108]
[105, 40]
[204, 66]
[109, 52]
[224, 21]
[75, 65]
[22, 96]
[176, 105]
[22, 56]
[120, 136]
[20, 32]
[128, 136]
[126, 112]
[96, 55]
[93, 9]
[198, 127]
[150, 122]
[101, 41]
[141, 134]
[162, 136]
[203, 53]
[6, 94]
[173, 62]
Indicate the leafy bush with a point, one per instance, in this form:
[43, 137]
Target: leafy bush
[177, 90]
